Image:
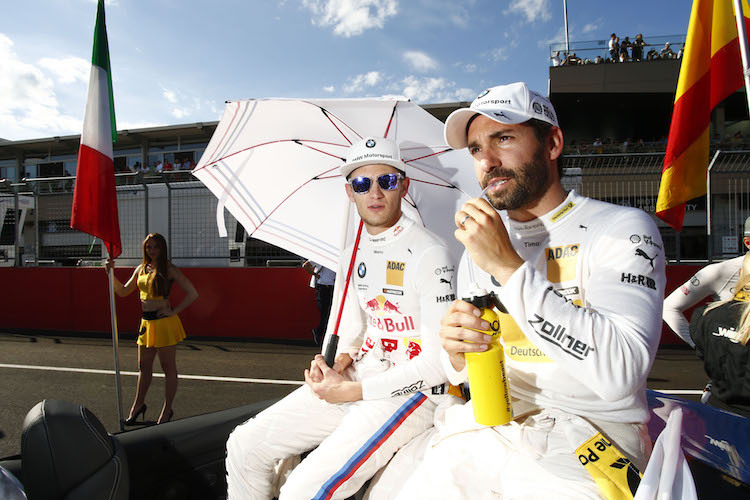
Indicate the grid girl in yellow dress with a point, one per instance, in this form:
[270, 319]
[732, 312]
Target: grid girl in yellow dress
[160, 329]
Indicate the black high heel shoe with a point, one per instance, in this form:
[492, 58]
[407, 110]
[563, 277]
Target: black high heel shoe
[133, 420]
[171, 414]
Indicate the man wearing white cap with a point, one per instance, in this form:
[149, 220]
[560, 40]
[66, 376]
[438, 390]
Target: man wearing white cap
[715, 280]
[582, 282]
[387, 379]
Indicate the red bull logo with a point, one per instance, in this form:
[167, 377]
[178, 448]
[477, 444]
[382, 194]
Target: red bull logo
[381, 306]
[413, 348]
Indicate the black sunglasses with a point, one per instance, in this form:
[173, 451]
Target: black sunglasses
[387, 182]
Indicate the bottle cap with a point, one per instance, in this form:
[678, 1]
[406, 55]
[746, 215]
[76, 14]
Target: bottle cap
[479, 297]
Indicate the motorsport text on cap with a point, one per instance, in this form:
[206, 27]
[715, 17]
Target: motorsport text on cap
[372, 150]
[510, 104]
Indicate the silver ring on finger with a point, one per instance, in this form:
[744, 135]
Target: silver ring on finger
[465, 219]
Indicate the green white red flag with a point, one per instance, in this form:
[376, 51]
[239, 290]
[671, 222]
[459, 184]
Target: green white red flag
[95, 196]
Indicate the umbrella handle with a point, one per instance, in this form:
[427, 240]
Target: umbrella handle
[331, 347]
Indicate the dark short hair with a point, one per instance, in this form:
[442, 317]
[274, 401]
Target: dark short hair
[541, 131]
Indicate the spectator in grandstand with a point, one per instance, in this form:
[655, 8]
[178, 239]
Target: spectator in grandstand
[187, 165]
[680, 52]
[598, 60]
[666, 52]
[574, 60]
[161, 329]
[638, 44]
[177, 164]
[614, 48]
[625, 46]
[568, 271]
[556, 60]
[652, 54]
[721, 332]
[717, 281]
[158, 166]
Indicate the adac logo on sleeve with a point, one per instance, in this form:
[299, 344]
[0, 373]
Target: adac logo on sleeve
[394, 273]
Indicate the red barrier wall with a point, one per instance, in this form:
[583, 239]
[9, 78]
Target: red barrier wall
[233, 302]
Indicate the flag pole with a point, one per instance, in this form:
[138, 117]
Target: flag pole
[742, 34]
[115, 341]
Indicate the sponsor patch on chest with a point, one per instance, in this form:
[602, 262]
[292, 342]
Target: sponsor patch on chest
[394, 273]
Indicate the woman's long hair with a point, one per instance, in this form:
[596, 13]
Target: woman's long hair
[157, 279]
[742, 289]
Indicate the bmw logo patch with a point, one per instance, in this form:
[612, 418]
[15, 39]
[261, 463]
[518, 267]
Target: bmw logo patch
[362, 269]
[537, 107]
[483, 94]
[370, 143]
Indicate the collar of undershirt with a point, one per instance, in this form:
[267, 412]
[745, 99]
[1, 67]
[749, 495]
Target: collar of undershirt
[392, 233]
[555, 216]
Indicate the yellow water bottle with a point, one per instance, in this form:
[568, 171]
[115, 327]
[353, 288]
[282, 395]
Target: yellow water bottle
[488, 383]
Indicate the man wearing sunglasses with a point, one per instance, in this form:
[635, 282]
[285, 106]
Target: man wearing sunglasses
[387, 380]
[582, 282]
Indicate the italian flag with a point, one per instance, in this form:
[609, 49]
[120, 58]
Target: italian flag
[711, 70]
[95, 197]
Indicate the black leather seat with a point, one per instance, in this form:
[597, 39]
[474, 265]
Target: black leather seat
[66, 454]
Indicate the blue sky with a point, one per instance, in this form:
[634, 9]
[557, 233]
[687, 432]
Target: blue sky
[177, 61]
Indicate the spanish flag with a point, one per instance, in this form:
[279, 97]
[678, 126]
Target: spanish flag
[711, 71]
[95, 196]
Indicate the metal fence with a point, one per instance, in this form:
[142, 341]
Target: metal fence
[35, 214]
[35, 217]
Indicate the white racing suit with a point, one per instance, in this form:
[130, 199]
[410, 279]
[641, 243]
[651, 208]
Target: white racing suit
[402, 284]
[715, 280]
[580, 337]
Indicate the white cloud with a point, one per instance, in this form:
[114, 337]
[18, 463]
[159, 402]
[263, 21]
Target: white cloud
[329, 88]
[67, 69]
[531, 9]
[590, 27]
[169, 95]
[351, 17]
[432, 90]
[360, 82]
[441, 12]
[29, 107]
[181, 113]
[498, 54]
[420, 61]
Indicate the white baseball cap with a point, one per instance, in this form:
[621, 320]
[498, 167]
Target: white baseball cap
[509, 104]
[747, 226]
[372, 150]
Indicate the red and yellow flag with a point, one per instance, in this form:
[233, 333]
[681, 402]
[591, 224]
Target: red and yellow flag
[711, 70]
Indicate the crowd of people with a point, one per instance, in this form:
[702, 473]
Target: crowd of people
[620, 52]
[159, 166]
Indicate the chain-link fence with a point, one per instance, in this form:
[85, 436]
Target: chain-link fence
[173, 204]
[35, 214]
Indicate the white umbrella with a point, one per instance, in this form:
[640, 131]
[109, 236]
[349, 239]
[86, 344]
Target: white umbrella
[273, 163]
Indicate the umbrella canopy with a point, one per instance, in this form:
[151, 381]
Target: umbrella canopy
[274, 164]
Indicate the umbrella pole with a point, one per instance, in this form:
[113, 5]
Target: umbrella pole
[333, 341]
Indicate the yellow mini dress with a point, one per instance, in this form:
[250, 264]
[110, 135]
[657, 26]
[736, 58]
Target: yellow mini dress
[162, 332]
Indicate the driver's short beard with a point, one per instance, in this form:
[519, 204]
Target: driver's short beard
[531, 181]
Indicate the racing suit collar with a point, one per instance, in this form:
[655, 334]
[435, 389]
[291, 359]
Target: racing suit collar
[554, 216]
[392, 233]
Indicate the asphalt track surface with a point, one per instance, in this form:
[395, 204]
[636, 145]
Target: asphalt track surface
[214, 375]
